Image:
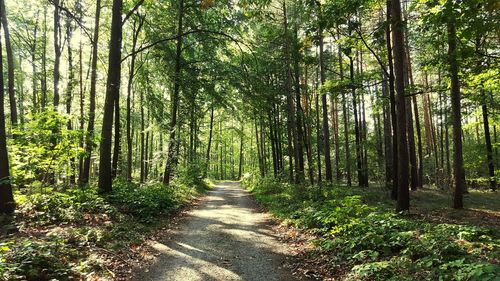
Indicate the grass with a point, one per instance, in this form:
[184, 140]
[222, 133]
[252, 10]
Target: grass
[361, 238]
[79, 234]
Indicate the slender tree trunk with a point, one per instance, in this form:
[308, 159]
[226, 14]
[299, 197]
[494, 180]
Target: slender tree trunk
[209, 145]
[299, 149]
[112, 93]
[392, 96]
[403, 195]
[359, 155]
[34, 82]
[389, 164]
[458, 166]
[170, 166]
[43, 80]
[10, 64]
[319, 137]
[89, 142]
[489, 148]
[7, 204]
[69, 92]
[57, 56]
[141, 102]
[240, 166]
[291, 123]
[346, 119]
[326, 128]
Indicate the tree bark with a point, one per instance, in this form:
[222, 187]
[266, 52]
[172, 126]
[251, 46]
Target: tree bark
[89, 139]
[10, 64]
[458, 166]
[7, 204]
[489, 148]
[403, 195]
[170, 166]
[326, 128]
[57, 51]
[112, 92]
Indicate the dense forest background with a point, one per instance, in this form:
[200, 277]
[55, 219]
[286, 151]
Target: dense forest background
[393, 96]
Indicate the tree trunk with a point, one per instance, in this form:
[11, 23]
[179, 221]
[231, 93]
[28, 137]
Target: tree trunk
[489, 148]
[170, 166]
[43, 80]
[69, 92]
[240, 166]
[209, 145]
[89, 140]
[7, 204]
[291, 123]
[10, 64]
[326, 128]
[112, 92]
[403, 195]
[359, 155]
[392, 96]
[57, 56]
[458, 166]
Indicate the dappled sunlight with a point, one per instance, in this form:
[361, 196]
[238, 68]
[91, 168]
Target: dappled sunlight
[223, 239]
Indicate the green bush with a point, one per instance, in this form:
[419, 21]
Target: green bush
[378, 244]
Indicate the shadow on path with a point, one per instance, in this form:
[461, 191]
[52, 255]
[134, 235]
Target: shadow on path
[225, 238]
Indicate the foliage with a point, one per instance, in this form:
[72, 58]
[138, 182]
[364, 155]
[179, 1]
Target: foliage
[379, 245]
[42, 147]
[77, 220]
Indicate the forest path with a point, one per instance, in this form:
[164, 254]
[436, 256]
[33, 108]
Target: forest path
[225, 238]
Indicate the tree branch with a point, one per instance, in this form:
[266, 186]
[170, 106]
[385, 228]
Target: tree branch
[129, 14]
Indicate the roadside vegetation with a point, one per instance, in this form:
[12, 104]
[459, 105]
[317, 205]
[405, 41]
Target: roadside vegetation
[78, 234]
[360, 237]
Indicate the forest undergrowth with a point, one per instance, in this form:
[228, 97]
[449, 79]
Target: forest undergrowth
[359, 237]
[78, 234]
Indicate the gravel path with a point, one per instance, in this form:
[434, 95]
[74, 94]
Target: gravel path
[225, 238]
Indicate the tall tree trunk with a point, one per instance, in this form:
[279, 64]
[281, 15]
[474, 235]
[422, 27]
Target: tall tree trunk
[489, 148]
[57, 51]
[240, 166]
[346, 119]
[43, 80]
[458, 165]
[319, 137]
[389, 164]
[112, 92]
[299, 149]
[403, 196]
[326, 128]
[10, 64]
[89, 139]
[7, 204]
[359, 155]
[392, 96]
[33, 53]
[143, 152]
[209, 145]
[291, 123]
[170, 166]
[117, 137]
[69, 93]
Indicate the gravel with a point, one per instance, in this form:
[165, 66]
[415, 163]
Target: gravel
[225, 238]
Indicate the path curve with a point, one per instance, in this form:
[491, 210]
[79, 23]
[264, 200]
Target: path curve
[225, 238]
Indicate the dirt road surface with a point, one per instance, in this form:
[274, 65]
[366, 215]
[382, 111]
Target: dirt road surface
[225, 238]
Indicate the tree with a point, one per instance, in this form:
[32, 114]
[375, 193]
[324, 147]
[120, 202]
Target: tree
[7, 204]
[89, 139]
[403, 196]
[10, 64]
[112, 92]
